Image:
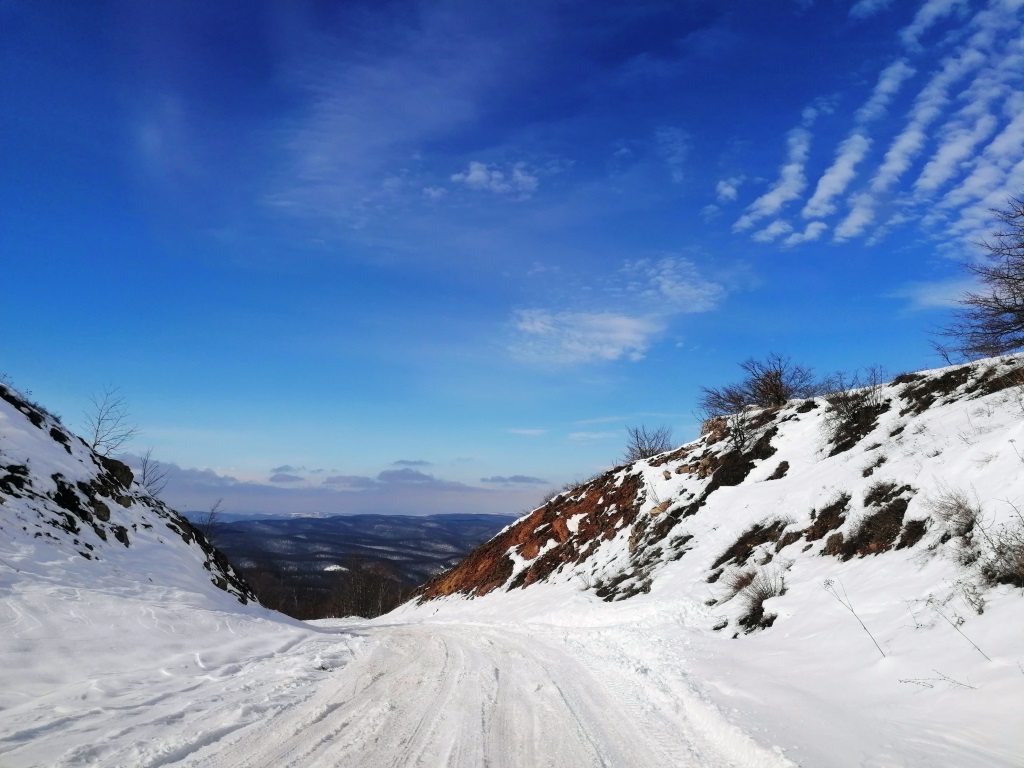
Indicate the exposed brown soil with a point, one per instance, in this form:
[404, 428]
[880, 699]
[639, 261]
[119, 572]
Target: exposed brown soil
[829, 517]
[878, 531]
[921, 393]
[603, 508]
[913, 532]
[741, 549]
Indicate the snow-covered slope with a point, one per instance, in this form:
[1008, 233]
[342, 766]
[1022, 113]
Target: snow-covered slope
[125, 638]
[862, 474]
[68, 510]
[899, 502]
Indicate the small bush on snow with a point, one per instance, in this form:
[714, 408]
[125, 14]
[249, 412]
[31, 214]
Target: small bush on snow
[737, 581]
[996, 552]
[956, 510]
[766, 584]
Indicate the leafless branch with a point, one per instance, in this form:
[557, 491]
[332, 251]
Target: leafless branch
[643, 442]
[990, 321]
[108, 422]
[152, 474]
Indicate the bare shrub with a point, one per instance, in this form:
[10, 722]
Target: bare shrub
[740, 429]
[854, 404]
[1005, 561]
[768, 383]
[152, 474]
[208, 523]
[768, 583]
[956, 510]
[737, 581]
[108, 422]
[743, 548]
[995, 551]
[991, 321]
[644, 442]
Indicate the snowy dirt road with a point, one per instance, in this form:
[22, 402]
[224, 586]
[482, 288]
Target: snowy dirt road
[373, 694]
[457, 695]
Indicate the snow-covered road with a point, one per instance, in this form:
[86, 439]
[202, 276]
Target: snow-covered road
[372, 694]
[460, 696]
[475, 695]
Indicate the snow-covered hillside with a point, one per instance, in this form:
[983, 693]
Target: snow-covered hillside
[67, 509]
[826, 584]
[901, 502]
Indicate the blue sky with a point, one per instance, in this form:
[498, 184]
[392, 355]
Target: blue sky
[423, 257]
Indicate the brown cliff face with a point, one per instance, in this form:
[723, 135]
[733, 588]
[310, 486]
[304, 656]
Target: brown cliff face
[596, 511]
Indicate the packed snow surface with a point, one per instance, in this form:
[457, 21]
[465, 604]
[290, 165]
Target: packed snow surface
[134, 658]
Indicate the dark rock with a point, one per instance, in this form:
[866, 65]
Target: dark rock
[118, 469]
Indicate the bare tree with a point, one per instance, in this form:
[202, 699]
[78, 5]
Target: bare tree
[152, 474]
[990, 321]
[208, 522]
[768, 383]
[643, 443]
[108, 422]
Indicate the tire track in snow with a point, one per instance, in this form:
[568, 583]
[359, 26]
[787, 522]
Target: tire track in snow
[397, 696]
[454, 696]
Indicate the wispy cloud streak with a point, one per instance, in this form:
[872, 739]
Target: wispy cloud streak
[636, 307]
[790, 185]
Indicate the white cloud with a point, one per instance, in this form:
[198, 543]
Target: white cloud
[360, 117]
[515, 180]
[838, 176]
[927, 108]
[727, 190]
[862, 9]
[586, 437]
[889, 83]
[979, 183]
[956, 148]
[945, 150]
[674, 148]
[670, 286]
[927, 16]
[790, 185]
[1008, 145]
[812, 232]
[991, 188]
[992, 176]
[582, 337]
[934, 295]
[773, 231]
[636, 306]
[601, 420]
[862, 213]
[527, 432]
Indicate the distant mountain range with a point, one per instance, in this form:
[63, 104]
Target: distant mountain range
[414, 549]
